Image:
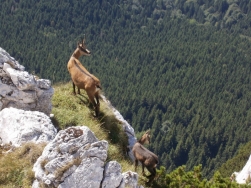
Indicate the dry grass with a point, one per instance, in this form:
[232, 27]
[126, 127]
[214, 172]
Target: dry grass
[16, 166]
[59, 172]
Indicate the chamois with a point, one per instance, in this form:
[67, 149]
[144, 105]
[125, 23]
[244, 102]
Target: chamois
[146, 157]
[82, 78]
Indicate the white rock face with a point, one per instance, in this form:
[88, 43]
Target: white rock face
[244, 175]
[126, 126]
[19, 126]
[21, 90]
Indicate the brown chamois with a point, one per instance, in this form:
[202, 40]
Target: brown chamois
[146, 157]
[82, 78]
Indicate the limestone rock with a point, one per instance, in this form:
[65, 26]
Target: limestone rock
[130, 179]
[112, 175]
[126, 126]
[21, 90]
[76, 159]
[73, 159]
[19, 126]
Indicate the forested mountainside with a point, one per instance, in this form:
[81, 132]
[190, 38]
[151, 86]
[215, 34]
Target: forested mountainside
[181, 68]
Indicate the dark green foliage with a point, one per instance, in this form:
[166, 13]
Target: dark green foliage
[191, 179]
[185, 79]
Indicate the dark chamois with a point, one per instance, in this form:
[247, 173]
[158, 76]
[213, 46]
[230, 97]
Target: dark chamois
[146, 157]
[82, 78]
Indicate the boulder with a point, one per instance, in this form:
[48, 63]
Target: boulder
[22, 90]
[18, 126]
[76, 159]
[112, 175]
[130, 179]
[73, 159]
[114, 179]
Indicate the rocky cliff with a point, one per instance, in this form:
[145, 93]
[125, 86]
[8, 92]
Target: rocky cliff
[73, 157]
[21, 90]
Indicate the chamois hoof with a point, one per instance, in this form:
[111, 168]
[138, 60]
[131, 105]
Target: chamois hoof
[149, 183]
[94, 114]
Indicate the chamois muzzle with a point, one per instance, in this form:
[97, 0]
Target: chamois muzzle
[86, 51]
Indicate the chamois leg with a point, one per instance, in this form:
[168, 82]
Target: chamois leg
[97, 110]
[152, 175]
[135, 165]
[97, 103]
[143, 169]
[97, 97]
[73, 86]
[91, 98]
[78, 90]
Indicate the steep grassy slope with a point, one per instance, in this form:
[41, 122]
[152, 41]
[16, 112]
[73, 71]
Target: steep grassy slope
[68, 110]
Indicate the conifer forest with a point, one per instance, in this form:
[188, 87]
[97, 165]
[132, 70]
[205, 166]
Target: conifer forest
[180, 68]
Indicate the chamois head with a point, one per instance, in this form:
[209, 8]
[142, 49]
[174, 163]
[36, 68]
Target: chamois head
[82, 48]
[145, 139]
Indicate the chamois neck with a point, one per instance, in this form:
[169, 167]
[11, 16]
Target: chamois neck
[142, 141]
[76, 54]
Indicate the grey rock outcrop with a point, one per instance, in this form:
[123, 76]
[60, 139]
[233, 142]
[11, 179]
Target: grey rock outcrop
[18, 126]
[21, 90]
[112, 175]
[114, 179]
[76, 159]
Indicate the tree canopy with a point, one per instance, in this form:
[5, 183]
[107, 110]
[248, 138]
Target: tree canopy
[181, 69]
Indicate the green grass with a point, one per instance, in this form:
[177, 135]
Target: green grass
[69, 110]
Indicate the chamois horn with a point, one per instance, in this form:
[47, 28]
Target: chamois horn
[83, 41]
